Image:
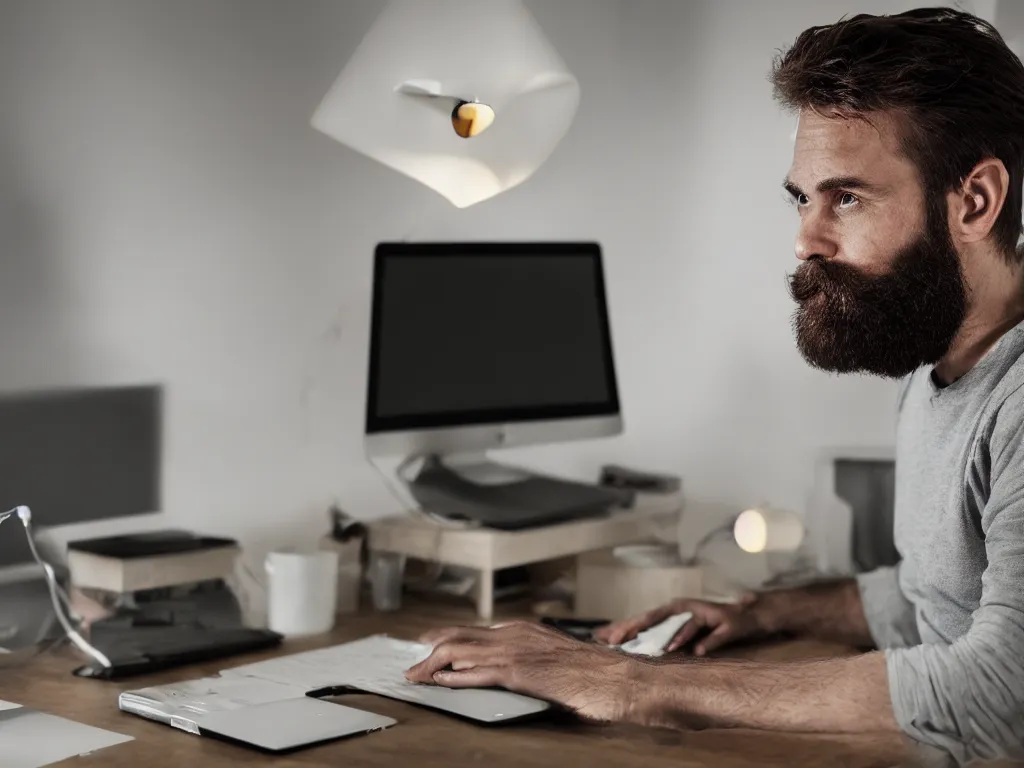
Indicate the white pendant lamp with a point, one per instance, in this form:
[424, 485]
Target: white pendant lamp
[466, 96]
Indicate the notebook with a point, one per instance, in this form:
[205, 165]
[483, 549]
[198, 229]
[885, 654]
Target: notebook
[30, 739]
[257, 713]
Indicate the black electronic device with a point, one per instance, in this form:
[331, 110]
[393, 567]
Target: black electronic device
[581, 629]
[531, 501]
[472, 335]
[477, 346]
[149, 649]
[639, 481]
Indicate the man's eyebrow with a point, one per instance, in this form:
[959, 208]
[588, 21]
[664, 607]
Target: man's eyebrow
[831, 185]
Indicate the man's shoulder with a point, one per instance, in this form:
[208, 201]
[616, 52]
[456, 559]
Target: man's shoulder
[1003, 418]
[1006, 409]
[1006, 402]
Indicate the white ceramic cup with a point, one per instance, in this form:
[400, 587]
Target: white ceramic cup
[302, 591]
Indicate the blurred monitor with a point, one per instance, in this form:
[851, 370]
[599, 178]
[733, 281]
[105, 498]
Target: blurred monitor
[77, 455]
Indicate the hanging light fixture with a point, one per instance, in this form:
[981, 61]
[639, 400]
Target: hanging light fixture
[466, 96]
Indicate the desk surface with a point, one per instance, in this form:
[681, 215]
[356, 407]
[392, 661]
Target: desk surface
[433, 739]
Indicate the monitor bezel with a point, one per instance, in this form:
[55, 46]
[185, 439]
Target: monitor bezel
[552, 415]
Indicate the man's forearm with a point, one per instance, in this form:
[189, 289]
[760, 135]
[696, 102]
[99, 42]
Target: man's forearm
[834, 695]
[828, 611]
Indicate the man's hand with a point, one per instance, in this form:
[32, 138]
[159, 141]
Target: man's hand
[717, 624]
[595, 683]
[830, 610]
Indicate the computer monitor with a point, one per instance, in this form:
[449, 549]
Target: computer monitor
[76, 455]
[476, 346]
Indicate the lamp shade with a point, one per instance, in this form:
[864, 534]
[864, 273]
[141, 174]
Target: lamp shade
[765, 529]
[466, 96]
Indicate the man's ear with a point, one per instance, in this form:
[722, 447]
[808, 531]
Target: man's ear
[976, 205]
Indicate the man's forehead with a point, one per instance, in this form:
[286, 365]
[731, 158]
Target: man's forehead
[829, 146]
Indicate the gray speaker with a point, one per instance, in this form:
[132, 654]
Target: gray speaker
[869, 487]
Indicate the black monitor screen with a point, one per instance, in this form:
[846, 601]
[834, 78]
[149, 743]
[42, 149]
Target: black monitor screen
[474, 333]
[77, 455]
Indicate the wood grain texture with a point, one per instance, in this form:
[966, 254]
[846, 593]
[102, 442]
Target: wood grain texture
[427, 739]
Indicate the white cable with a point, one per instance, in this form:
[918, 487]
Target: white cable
[438, 522]
[60, 590]
[25, 515]
[26, 520]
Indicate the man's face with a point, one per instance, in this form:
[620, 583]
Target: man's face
[880, 288]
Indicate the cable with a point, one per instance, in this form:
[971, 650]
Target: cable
[418, 511]
[241, 588]
[712, 534]
[56, 591]
[251, 574]
[65, 598]
[439, 522]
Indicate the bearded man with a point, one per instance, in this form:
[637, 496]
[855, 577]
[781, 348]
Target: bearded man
[907, 174]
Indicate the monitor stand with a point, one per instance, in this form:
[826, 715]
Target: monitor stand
[478, 469]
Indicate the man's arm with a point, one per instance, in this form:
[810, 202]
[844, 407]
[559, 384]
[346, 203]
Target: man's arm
[833, 696]
[829, 611]
[836, 695]
[968, 697]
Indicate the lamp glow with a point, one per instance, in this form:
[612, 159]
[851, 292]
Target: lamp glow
[751, 531]
[764, 529]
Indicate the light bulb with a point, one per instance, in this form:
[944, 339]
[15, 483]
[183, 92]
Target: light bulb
[471, 118]
[767, 529]
[751, 531]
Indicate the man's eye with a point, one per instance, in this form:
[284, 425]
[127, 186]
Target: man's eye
[847, 200]
[801, 199]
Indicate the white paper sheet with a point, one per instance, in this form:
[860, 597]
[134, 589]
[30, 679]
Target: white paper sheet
[8, 705]
[31, 739]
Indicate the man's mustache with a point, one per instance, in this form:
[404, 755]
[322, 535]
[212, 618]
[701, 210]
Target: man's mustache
[818, 276]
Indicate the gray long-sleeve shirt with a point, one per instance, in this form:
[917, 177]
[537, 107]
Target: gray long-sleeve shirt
[951, 615]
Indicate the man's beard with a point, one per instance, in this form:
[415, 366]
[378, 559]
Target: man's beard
[849, 322]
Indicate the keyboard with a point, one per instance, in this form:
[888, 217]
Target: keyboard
[142, 650]
[377, 665]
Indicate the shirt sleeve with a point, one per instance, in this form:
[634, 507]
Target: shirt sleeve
[968, 697]
[890, 616]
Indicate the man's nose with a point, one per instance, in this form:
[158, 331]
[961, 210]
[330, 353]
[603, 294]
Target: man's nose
[814, 239]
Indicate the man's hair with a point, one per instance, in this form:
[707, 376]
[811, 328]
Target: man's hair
[950, 79]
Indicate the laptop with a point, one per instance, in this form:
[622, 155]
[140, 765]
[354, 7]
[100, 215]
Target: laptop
[278, 705]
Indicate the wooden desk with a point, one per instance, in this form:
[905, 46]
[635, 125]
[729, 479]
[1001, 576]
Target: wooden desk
[427, 739]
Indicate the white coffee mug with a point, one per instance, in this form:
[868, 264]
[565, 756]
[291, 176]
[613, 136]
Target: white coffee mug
[302, 589]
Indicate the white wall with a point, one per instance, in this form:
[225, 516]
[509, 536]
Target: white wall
[168, 215]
